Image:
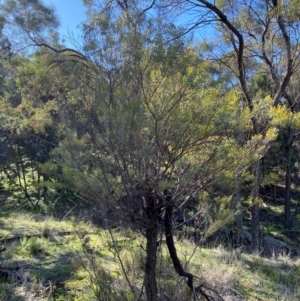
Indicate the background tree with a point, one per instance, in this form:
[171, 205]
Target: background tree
[258, 39]
[30, 136]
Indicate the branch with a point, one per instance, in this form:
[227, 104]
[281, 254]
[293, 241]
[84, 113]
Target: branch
[289, 71]
[208, 293]
[147, 8]
[240, 50]
[75, 53]
[265, 56]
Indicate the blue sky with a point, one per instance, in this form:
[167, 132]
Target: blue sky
[70, 13]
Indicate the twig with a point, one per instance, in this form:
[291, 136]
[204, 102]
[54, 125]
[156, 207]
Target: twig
[121, 263]
[50, 290]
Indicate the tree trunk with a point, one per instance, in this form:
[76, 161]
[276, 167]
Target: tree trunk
[151, 247]
[255, 228]
[274, 194]
[255, 209]
[288, 181]
[239, 230]
[239, 216]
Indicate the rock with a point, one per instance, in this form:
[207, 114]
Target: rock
[273, 246]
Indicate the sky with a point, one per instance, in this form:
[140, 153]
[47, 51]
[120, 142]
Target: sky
[70, 12]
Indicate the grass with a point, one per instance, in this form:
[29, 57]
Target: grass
[88, 263]
[16, 224]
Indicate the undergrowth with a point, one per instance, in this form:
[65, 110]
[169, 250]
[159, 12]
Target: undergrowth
[48, 259]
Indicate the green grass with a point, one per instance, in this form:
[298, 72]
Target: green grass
[88, 263]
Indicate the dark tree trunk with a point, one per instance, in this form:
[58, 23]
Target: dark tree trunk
[255, 228]
[255, 209]
[239, 230]
[207, 293]
[288, 178]
[274, 193]
[288, 182]
[151, 246]
[239, 216]
[172, 250]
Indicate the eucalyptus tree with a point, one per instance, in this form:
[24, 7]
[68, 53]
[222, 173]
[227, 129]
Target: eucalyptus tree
[257, 38]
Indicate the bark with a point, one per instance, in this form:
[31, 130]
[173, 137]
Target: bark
[21, 170]
[255, 209]
[172, 250]
[239, 216]
[151, 247]
[255, 228]
[274, 193]
[207, 293]
[239, 230]
[289, 68]
[150, 265]
[295, 213]
[238, 47]
[288, 180]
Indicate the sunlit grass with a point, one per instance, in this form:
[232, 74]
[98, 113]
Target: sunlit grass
[14, 224]
[68, 259]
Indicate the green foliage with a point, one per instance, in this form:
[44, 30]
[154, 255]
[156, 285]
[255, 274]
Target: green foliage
[36, 20]
[34, 245]
[170, 129]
